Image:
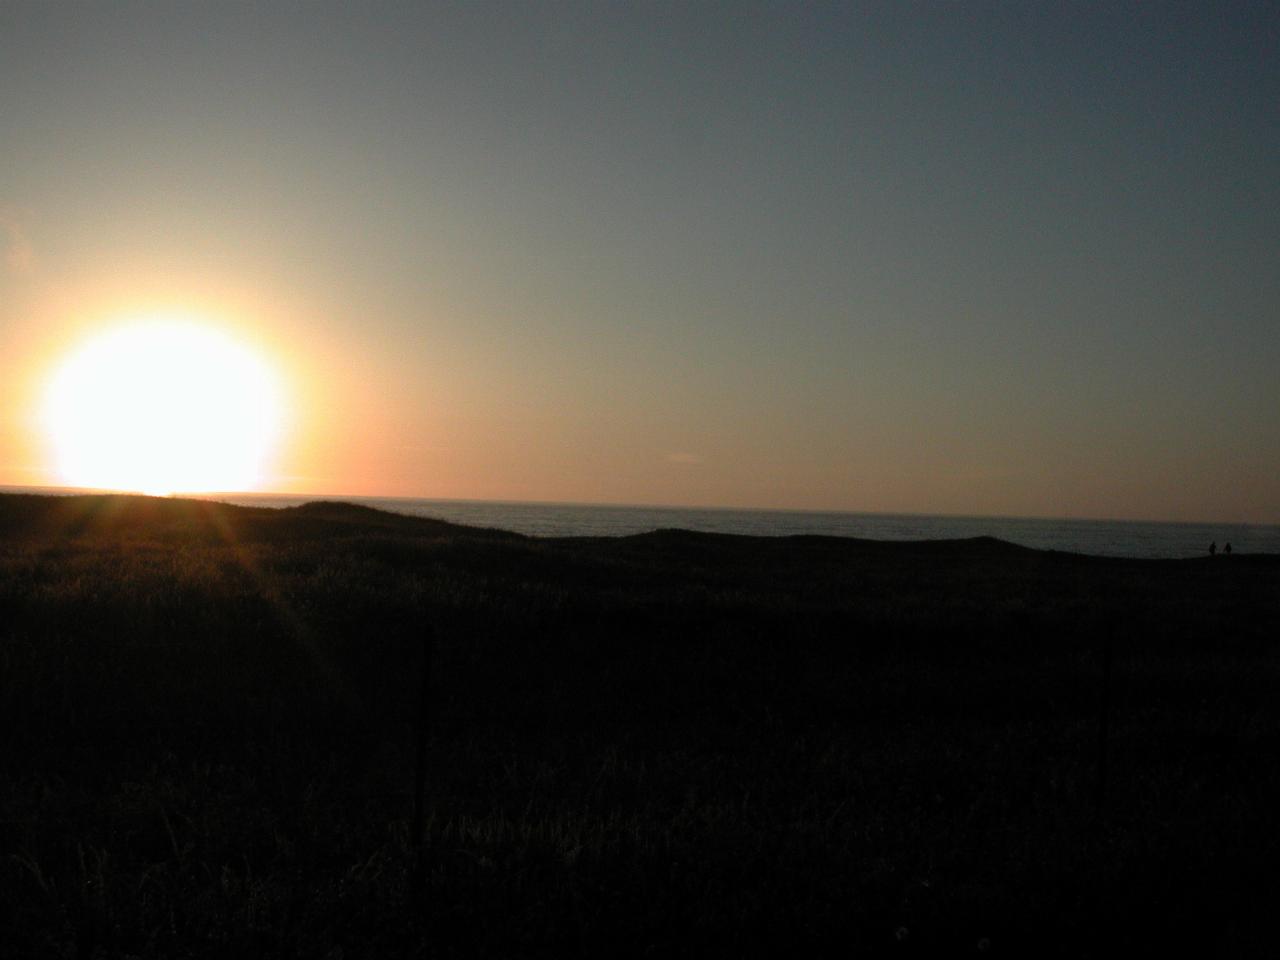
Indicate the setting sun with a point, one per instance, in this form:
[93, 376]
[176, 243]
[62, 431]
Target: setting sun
[162, 406]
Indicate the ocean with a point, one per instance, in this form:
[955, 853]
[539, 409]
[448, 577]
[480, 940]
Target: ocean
[1106, 538]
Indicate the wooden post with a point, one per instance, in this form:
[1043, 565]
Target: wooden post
[420, 764]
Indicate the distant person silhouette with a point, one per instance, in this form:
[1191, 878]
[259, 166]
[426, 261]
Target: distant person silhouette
[1227, 548]
[1213, 548]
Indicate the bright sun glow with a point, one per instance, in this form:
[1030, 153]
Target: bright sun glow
[162, 406]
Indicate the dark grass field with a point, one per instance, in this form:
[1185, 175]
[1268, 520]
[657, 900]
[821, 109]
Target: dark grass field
[663, 745]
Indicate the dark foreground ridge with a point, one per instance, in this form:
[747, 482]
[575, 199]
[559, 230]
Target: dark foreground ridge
[33, 515]
[666, 744]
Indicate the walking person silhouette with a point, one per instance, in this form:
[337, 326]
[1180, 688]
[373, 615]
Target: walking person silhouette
[1213, 548]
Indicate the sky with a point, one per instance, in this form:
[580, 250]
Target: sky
[970, 258]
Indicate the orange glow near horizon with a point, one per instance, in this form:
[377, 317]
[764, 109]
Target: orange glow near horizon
[162, 405]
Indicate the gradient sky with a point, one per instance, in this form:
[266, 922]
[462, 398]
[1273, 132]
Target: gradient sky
[978, 258]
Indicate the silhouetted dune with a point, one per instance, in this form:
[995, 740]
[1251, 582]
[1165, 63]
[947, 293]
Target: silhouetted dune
[970, 545]
[339, 515]
[167, 517]
[115, 514]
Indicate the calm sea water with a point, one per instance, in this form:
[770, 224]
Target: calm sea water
[1113, 538]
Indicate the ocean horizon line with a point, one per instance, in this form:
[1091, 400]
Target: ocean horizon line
[223, 495]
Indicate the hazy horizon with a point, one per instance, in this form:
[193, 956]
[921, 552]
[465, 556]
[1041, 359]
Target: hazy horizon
[953, 260]
[246, 495]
